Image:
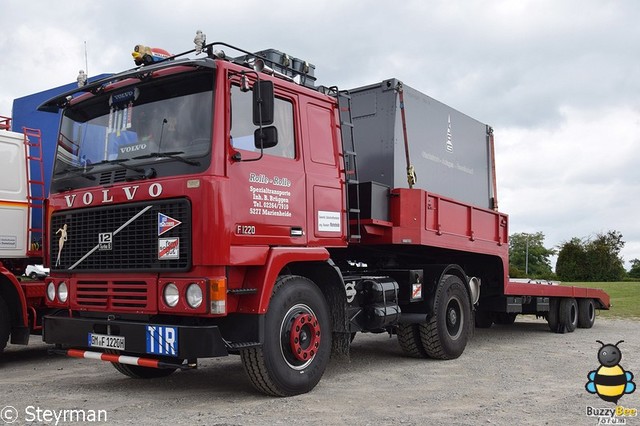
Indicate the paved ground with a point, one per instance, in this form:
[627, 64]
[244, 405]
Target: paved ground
[508, 375]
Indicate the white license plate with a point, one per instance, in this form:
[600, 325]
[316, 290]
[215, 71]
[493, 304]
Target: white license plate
[106, 342]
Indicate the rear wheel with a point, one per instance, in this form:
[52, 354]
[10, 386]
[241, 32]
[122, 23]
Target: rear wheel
[297, 341]
[410, 341]
[586, 313]
[552, 316]
[568, 314]
[446, 334]
[5, 324]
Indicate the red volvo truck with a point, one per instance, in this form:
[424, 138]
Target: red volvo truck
[228, 205]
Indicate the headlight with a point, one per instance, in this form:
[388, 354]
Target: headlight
[171, 295]
[51, 292]
[194, 295]
[63, 292]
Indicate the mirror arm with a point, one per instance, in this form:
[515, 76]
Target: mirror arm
[237, 156]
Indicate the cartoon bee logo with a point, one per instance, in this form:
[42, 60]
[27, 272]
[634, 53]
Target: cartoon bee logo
[610, 381]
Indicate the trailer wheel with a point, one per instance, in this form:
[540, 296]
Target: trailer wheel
[138, 372]
[483, 319]
[552, 316]
[5, 324]
[586, 313]
[297, 341]
[568, 314]
[410, 341]
[446, 334]
[506, 318]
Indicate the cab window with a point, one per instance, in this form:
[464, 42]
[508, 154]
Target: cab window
[242, 127]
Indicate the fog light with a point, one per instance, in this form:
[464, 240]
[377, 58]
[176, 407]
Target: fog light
[171, 295]
[63, 292]
[51, 292]
[194, 295]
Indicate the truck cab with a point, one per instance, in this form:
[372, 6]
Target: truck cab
[179, 189]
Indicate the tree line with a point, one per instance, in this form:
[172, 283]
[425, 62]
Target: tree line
[595, 258]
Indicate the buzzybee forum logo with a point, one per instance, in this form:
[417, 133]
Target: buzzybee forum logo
[610, 381]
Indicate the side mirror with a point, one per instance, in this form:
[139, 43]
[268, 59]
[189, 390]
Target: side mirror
[263, 100]
[266, 137]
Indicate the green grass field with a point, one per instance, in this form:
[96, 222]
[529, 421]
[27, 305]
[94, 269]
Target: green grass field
[625, 298]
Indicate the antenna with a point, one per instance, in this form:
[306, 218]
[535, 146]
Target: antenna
[83, 75]
[86, 61]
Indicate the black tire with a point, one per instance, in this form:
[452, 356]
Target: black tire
[410, 341]
[552, 316]
[506, 318]
[483, 319]
[446, 334]
[586, 313]
[568, 314]
[138, 372]
[33, 276]
[297, 340]
[5, 324]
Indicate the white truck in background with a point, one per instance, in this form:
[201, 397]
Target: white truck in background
[22, 196]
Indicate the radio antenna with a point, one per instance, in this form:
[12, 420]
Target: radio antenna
[86, 60]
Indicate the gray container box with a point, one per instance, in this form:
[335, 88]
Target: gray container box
[449, 150]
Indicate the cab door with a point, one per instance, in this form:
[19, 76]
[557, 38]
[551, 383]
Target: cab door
[268, 197]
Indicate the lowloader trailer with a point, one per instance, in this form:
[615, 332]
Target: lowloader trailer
[229, 205]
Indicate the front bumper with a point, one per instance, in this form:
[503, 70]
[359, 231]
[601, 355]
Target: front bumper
[190, 341]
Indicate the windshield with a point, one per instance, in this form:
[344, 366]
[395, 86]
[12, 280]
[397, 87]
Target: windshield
[164, 122]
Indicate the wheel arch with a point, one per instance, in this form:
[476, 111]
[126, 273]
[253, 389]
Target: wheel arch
[436, 274]
[328, 278]
[312, 263]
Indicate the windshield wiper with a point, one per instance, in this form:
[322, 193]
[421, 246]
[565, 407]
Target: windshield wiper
[175, 155]
[142, 173]
[120, 162]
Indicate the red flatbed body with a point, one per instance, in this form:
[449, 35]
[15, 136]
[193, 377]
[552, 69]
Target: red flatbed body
[422, 218]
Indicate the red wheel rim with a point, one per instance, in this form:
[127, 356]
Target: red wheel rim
[304, 337]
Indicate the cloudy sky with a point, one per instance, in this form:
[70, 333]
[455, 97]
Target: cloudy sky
[558, 80]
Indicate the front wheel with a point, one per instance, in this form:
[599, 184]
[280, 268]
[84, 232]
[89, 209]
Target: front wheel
[297, 340]
[446, 334]
[139, 372]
